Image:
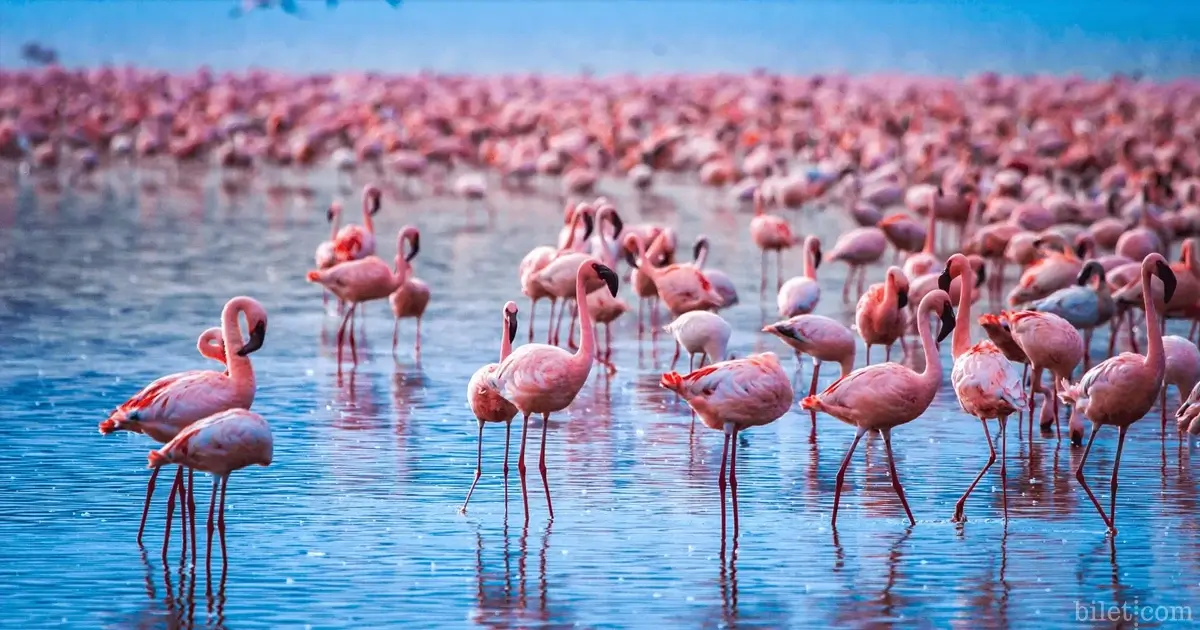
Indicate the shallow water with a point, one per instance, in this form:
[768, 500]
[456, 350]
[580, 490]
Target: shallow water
[355, 524]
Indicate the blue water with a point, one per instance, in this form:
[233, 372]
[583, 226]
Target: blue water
[1064, 36]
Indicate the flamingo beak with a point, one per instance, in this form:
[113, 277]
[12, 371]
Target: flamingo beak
[375, 203]
[329, 215]
[902, 298]
[944, 279]
[980, 276]
[700, 245]
[415, 240]
[631, 259]
[608, 276]
[817, 257]
[588, 226]
[257, 336]
[512, 327]
[947, 322]
[1168, 279]
[617, 224]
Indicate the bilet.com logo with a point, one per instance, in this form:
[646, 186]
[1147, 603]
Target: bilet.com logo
[1133, 612]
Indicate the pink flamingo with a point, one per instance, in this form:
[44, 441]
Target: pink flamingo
[1188, 414]
[212, 346]
[487, 403]
[605, 309]
[540, 378]
[218, 444]
[700, 332]
[771, 234]
[733, 396]
[858, 248]
[539, 257]
[171, 403]
[367, 279]
[985, 381]
[926, 261]
[1121, 390]
[721, 281]
[1053, 344]
[799, 295]
[1182, 370]
[879, 315]
[682, 287]
[326, 255]
[355, 242]
[820, 337]
[409, 302]
[884, 396]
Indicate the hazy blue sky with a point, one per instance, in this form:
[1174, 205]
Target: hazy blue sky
[1097, 37]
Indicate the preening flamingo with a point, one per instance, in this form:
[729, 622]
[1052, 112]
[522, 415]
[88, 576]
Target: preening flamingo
[700, 333]
[1188, 414]
[682, 287]
[985, 381]
[211, 345]
[539, 378]
[799, 295]
[1121, 390]
[326, 255]
[355, 242]
[218, 444]
[732, 396]
[880, 316]
[720, 281]
[488, 405]
[172, 403]
[821, 338]
[884, 396]
[926, 260]
[367, 279]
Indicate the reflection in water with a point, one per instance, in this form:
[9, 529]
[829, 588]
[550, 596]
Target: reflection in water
[502, 599]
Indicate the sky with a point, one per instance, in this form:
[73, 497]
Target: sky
[1097, 38]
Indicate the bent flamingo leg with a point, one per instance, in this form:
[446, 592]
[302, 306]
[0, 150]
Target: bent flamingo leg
[521, 464]
[1112, 506]
[542, 464]
[221, 521]
[146, 506]
[1083, 481]
[841, 476]
[175, 488]
[721, 485]
[959, 516]
[212, 505]
[478, 468]
[887, 442]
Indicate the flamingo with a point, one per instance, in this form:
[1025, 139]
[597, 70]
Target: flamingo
[1083, 307]
[539, 257]
[488, 405]
[540, 378]
[820, 337]
[218, 444]
[884, 396]
[733, 396]
[1121, 390]
[409, 301]
[700, 332]
[212, 346]
[171, 403]
[771, 234]
[720, 280]
[1188, 414]
[326, 255]
[926, 260]
[858, 248]
[879, 315]
[799, 295]
[682, 287]
[1182, 370]
[605, 309]
[985, 382]
[1053, 344]
[367, 279]
[355, 242]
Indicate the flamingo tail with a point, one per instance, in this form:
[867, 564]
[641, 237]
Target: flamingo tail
[672, 381]
[156, 459]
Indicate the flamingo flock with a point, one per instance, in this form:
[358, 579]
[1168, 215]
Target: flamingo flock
[1085, 187]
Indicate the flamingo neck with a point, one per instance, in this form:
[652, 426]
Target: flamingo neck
[574, 226]
[702, 258]
[334, 225]
[962, 323]
[1155, 355]
[368, 221]
[931, 230]
[586, 339]
[240, 368]
[932, 374]
[403, 269]
[505, 341]
[810, 270]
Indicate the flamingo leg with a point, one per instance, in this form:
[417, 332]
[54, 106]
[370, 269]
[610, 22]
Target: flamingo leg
[191, 500]
[542, 464]
[532, 310]
[521, 465]
[1087, 349]
[571, 327]
[171, 511]
[812, 388]
[507, 435]
[353, 344]
[868, 354]
[342, 333]
[1162, 404]
[221, 521]
[417, 348]
[478, 468]
[887, 442]
[762, 291]
[183, 514]
[731, 430]
[1054, 404]
[550, 322]
[841, 476]
[1112, 484]
[146, 506]
[845, 285]
[721, 485]
[959, 516]
[1113, 324]
[862, 278]
[395, 335]
[778, 285]
[675, 357]
[1083, 481]
[212, 505]
[641, 326]
[1003, 463]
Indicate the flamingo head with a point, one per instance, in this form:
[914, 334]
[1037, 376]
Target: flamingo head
[1164, 273]
[947, 316]
[813, 245]
[372, 198]
[899, 282]
[334, 210]
[699, 246]
[510, 318]
[1090, 268]
[258, 330]
[413, 236]
[608, 276]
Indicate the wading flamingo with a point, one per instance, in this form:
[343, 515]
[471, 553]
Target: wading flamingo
[355, 242]
[819, 337]
[326, 255]
[771, 234]
[1182, 370]
[1082, 306]
[858, 248]
[1121, 390]
[885, 396]
[537, 259]
[367, 279]
[218, 444]
[171, 403]
[539, 378]
[985, 381]
[926, 260]
[1053, 344]
[799, 295]
[720, 280]
[880, 316]
[409, 302]
[732, 396]
[682, 287]
[700, 333]
[488, 405]
[1188, 415]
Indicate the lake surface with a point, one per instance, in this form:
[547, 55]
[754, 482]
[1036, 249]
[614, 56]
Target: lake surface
[355, 524]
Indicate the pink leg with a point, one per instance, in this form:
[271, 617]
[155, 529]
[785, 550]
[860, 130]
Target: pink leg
[507, 435]
[395, 334]
[342, 332]
[191, 500]
[549, 323]
[521, 465]
[1133, 344]
[146, 506]
[1054, 404]
[1003, 465]
[862, 278]
[183, 514]
[733, 474]
[1083, 482]
[845, 287]
[542, 464]
[721, 482]
[675, 358]
[812, 388]
[417, 349]
[212, 505]
[841, 476]
[1162, 404]
[532, 310]
[1112, 506]
[478, 467]
[868, 354]
[959, 516]
[221, 521]
[641, 326]
[571, 332]
[353, 350]
[1087, 350]
[778, 286]
[175, 488]
[762, 291]
[1112, 333]
[887, 443]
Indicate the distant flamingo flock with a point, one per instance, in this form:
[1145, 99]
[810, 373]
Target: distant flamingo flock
[1087, 190]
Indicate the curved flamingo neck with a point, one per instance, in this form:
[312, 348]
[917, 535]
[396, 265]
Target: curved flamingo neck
[810, 269]
[586, 340]
[932, 374]
[334, 225]
[703, 257]
[574, 227]
[505, 341]
[1155, 355]
[931, 229]
[240, 368]
[962, 323]
[368, 221]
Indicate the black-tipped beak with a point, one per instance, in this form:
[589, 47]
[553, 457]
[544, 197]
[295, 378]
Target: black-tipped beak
[1091, 268]
[589, 224]
[817, 257]
[947, 322]
[257, 336]
[631, 259]
[1081, 250]
[375, 203]
[617, 224]
[700, 245]
[939, 192]
[415, 241]
[1076, 438]
[1168, 279]
[902, 298]
[608, 276]
[784, 331]
[944, 279]
[329, 215]
[512, 326]
[980, 276]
